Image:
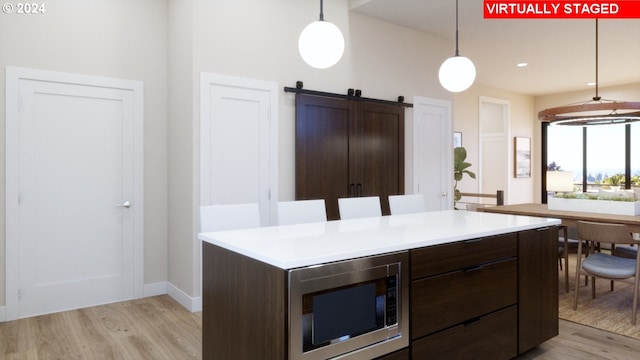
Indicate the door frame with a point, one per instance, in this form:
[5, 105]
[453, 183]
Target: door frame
[12, 165]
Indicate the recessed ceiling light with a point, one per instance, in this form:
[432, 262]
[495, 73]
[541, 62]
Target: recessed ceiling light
[591, 84]
[522, 64]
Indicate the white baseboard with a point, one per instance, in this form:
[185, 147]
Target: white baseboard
[193, 304]
[155, 289]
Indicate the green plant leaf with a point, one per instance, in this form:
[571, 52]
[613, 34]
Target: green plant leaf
[471, 174]
[457, 195]
[460, 166]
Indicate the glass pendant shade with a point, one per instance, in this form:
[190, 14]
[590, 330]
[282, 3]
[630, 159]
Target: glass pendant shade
[321, 44]
[457, 73]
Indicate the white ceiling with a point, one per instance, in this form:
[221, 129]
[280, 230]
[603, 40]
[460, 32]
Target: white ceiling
[560, 52]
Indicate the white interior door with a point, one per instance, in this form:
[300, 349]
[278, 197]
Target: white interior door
[74, 191]
[238, 143]
[433, 152]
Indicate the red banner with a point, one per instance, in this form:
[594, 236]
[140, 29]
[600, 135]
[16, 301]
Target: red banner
[622, 9]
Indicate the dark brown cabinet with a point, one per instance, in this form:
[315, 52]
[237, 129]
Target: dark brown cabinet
[538, 287]
[464, 299]
[487, 298]
[348, 148]
[403, 354]
[244, 314]
[493, 336]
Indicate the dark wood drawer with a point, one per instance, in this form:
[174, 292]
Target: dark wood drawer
[403, 354]
[459, 255]
[493, 336]
[445, 300]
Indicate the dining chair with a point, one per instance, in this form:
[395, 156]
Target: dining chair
[359, 207]
[605, 266]
[563, 253]
[229, 217]
[301, 211]
[627, 251]
[406, 204]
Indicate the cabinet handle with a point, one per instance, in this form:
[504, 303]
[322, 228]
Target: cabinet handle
[471, 321]
[542, 229]
[359, 189]
[473, 268]
[471, 241]
[352, 192]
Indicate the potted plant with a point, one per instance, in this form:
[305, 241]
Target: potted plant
[614, 181]
[617, 205]
[460, 167]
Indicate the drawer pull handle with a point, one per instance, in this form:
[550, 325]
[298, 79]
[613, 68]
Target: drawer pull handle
[471, 321]
[542, 229]
[471, 241]
[473, 268]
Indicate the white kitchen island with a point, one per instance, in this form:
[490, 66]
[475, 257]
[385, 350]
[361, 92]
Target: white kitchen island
[513, 306]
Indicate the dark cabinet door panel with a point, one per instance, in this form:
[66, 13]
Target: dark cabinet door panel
[538, 289]
[348, 148]
[403, 354]
[490, 337]
[462, 254]
[382, 140]
[322, 150]
[445, 300]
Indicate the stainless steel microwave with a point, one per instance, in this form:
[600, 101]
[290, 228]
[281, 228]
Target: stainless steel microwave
[354, 309]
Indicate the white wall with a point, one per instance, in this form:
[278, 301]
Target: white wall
[113, 38]
[258, 39]
[183, 252]
[522, 122]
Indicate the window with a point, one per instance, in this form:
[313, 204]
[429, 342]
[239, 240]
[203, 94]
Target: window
[605, 155]
[597, 155]
[564, 151]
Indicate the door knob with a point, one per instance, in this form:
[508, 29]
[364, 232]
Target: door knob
[125, 205]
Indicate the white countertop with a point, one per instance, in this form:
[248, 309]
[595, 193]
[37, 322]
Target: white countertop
[293, 246]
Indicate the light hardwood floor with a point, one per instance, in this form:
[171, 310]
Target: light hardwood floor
[579, 342]
[150, 328]
[158, 328]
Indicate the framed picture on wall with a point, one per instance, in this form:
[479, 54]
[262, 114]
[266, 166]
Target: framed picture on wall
[522, 157]
[457, 139]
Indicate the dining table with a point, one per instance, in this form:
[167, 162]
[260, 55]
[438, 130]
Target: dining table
[567, 218]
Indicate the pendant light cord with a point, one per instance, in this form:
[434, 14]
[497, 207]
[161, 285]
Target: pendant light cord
[597, 97]
[457, 51]
[321, 13]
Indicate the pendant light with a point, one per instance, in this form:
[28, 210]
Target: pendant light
[457, 73]
[321, 43]
[596, 111]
